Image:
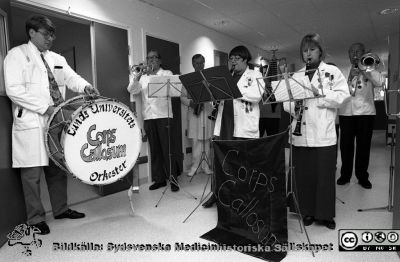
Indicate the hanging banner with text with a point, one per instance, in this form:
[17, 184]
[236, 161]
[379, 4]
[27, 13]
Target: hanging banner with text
[251, 196]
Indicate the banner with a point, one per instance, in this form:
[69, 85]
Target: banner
[251, 196]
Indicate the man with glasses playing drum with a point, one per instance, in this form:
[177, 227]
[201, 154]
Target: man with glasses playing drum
[35, 80]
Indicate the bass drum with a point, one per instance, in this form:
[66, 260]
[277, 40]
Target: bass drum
[96, 140]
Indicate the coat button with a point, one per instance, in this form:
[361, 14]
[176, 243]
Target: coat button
[304, 123]
[306, 108]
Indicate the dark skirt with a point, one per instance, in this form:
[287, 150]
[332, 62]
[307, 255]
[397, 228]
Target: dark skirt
[314, 181]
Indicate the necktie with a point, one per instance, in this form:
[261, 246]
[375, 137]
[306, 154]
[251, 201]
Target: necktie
[54, 91]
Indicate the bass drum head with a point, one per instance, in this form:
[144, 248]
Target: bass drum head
[102, 142]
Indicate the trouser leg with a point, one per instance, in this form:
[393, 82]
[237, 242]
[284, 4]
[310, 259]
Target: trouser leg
[347, 131]
[30, 178]
[57, 185]
[363, 146]
[156, 156]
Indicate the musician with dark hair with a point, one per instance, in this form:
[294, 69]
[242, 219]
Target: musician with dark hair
[238, 119]
[314, 147]
[197, 121]
[35, 80]
[356, 119]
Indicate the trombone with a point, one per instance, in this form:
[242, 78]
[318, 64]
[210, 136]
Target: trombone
[368, 62]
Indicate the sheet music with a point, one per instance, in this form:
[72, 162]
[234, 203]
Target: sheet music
[297, 88]
[158, 86]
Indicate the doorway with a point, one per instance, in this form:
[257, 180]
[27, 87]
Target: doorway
[169, 52]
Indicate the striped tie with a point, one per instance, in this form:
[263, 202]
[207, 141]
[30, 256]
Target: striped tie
[54, 91]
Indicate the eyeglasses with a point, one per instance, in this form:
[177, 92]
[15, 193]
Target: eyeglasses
[153, 57]
[47, 34]
[235, 58]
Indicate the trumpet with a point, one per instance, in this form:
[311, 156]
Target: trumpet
[141, 69]
[369, 62]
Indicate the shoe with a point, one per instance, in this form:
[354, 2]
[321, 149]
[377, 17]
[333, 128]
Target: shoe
[71, 214]
[43, 227]
[208, 171]
[157, 185]
[191, 172]
[174, 188]
[308, 220]
[329, 224]
[210, 202]
[365, 184]
[342, 181]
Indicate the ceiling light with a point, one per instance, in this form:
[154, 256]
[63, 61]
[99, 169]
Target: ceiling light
[389, 11]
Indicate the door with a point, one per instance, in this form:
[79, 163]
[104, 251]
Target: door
[11, 196]
[169, 52]
[112, 61]
[111, 52]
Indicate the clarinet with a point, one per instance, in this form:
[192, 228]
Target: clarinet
[214, 112]
[299, 107]
[197, 109]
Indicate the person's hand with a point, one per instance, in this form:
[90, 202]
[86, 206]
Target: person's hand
[192, 104]
[355, 71]
[91, 91]
[314, 90]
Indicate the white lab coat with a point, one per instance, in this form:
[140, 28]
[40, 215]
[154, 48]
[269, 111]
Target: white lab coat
[362, 103]
[27, 86]
[152, 107]
[318, 120]
[246, 117]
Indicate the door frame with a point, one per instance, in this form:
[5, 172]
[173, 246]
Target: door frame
[4, 17]
[74, 17]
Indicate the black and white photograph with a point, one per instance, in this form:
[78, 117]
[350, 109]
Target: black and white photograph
[199, 130]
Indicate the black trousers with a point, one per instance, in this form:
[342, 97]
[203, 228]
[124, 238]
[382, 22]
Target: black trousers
[160, 153]
[358, 130]
[269, 125]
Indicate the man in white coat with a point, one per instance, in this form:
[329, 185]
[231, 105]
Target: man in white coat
[356, 119]
[35, 80]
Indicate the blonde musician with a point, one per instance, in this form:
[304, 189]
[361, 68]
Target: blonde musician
[314, 149]
[239, 118]
[356, 119]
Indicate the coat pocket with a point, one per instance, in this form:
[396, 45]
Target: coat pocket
[27, 120]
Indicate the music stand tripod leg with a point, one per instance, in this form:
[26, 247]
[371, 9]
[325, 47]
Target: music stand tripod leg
[171, 179]
[203, 156]
[389, 206]
[202, 200]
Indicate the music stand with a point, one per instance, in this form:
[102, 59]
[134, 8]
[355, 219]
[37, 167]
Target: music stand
[166, 87]
[389, 206]
[288, 89]
[203, 156]
[210, 85]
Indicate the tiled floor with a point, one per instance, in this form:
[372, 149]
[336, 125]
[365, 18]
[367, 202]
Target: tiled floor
[111, 220]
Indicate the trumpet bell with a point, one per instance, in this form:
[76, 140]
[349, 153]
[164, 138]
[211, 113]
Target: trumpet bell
[369, 62]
